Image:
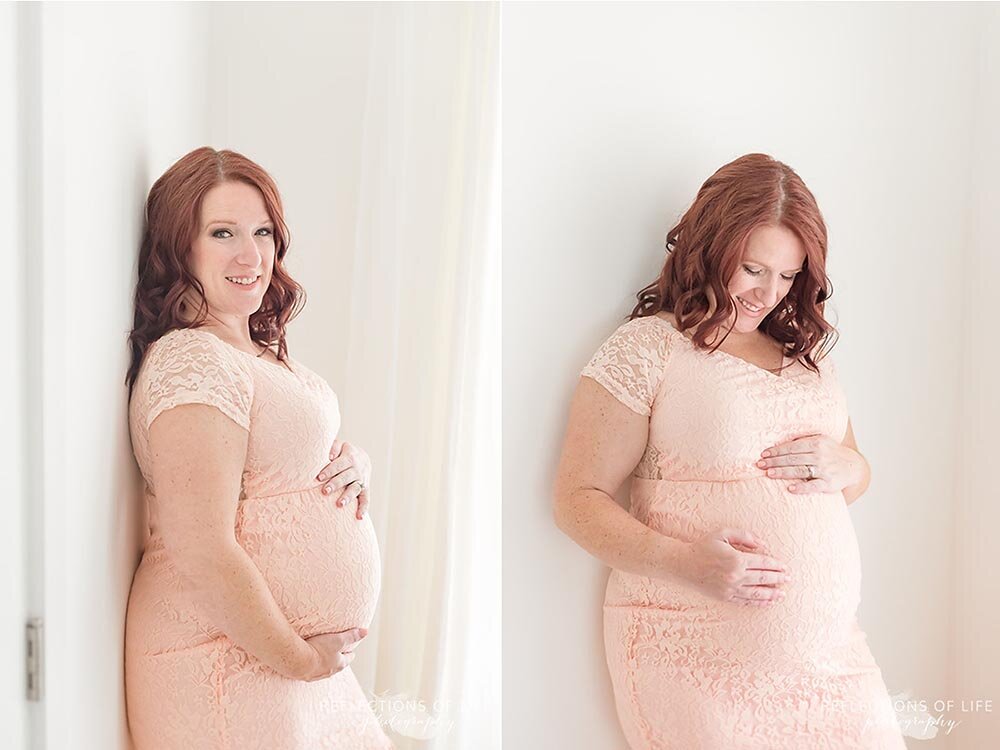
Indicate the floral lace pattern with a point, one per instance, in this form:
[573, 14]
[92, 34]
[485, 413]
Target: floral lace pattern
[187, 684]
[693, 672]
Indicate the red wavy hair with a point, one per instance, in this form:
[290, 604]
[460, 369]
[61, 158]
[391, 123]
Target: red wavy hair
[173, 210]
[705, 248]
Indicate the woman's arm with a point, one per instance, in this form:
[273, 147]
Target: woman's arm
[856, 490]
[604, 442]
[198, 457]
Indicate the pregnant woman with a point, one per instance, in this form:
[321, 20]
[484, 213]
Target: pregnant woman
[260, 570]
[730, 614]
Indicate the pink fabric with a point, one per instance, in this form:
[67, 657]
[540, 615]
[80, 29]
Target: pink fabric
[187, 685]
[689, 671]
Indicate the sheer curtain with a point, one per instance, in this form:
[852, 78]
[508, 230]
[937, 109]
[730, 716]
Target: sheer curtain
[422, 393]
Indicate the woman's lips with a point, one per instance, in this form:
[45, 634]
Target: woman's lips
[747, 310]
[245, 286]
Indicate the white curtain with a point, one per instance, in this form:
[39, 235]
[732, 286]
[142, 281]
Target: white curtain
[423, 390]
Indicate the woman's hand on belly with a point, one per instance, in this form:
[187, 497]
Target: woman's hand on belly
[333, 652]
[816, 463]
[350, 470]
[715, 567]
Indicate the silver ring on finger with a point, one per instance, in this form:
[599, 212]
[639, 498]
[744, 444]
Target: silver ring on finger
[811, 469]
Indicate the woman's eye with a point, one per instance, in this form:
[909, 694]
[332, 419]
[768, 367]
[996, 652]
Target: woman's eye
[216, 232]
[758, 272]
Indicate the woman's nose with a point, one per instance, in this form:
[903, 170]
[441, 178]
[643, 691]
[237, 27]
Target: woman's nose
[249, 253]
[769, 294]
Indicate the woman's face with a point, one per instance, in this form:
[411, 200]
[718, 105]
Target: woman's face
[235, 240]
[774, 255]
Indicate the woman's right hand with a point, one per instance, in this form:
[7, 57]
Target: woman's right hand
[715, 566]
[333, 652]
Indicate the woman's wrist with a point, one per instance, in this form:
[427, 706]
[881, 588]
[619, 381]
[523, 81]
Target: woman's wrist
[673, 555]
[307, 661]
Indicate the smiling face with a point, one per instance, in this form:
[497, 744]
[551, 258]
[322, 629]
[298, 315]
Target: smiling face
[234, 243]
[774, 255]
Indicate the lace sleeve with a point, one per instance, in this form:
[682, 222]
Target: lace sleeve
[188, 367]
[630, 363]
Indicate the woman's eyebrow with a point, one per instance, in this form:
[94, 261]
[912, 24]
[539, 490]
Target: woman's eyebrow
[234, 223]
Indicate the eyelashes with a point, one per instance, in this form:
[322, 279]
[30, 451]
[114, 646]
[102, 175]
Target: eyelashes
[751, 272]
[216, 232]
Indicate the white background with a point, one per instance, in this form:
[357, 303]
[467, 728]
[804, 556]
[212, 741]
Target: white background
[614, 115]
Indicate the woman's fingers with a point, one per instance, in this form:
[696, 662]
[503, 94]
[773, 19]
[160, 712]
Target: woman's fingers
[349, 495]
[764, 578]
[336, 448]
[758, 594]
[342, 479]
[792, 471]
[789, 459]
[350, 638]
[763, 562]
[335, 467]
[343, 660]
[362, 503]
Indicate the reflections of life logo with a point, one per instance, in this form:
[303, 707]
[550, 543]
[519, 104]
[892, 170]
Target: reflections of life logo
[915, 718]
[412, 717]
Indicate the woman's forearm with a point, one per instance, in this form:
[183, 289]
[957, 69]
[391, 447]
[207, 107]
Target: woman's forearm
[854, 491]
[233, 594]
[607, 531]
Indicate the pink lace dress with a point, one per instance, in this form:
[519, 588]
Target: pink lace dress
[689, 671]
[188, 686]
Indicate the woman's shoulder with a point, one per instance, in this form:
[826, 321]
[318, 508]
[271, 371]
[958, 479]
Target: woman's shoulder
[185, 365]
[631, 363]
[189, 349]
[647, 332]
[180, 340]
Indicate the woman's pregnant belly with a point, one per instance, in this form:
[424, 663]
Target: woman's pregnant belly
[811, 534]
[320, 562]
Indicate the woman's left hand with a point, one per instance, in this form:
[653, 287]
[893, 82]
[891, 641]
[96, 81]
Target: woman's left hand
[350, 468]
[834, 465]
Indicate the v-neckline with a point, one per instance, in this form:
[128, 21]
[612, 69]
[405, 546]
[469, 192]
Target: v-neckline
[257, 357]
[747, 364]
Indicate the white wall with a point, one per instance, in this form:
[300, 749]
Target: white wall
[14, 592]
[266, 102]
[614, 114]
[119, 90]
[977, 585]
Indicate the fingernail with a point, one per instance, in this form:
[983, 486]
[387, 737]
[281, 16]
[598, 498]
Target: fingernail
[321, 477]
[326, 490]
[765, 454]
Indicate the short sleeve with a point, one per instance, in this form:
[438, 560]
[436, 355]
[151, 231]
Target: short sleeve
[630, 363]
[194, 367]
